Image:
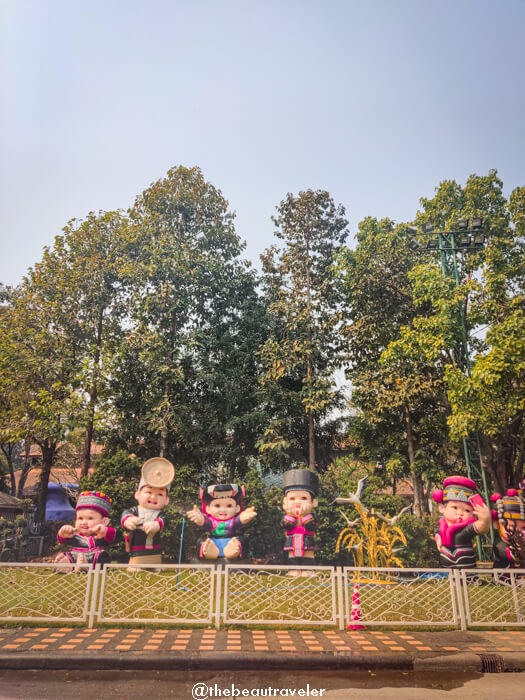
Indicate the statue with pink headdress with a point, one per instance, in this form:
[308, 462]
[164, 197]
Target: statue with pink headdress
[90, 535]
[464, 516]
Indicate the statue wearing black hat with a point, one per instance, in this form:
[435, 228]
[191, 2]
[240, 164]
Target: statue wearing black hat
[300, 490]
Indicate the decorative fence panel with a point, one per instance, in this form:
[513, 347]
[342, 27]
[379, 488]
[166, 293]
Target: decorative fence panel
[173, 593]
[244, 594]
[408, 597]
[40, 592]
[276, 595]
[494, 598]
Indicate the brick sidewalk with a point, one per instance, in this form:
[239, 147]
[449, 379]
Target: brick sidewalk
[118, 641]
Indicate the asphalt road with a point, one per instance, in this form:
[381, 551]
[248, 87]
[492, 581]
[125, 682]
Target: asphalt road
[129, 685]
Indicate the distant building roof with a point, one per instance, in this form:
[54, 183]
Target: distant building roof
[36, 451]
[58, 475]
[7, 501]
[404, 487]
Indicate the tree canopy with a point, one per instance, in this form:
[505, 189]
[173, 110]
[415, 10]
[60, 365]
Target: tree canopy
[147, 331]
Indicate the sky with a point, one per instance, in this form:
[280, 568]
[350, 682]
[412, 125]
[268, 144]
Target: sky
[376, 102]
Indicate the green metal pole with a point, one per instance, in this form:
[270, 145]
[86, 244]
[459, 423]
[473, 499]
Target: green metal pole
[449, 265]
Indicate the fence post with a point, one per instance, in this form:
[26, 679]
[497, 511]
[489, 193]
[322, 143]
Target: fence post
[340, 597]
[515, 596]
[218, 589]
[95, 576]
[460, 584]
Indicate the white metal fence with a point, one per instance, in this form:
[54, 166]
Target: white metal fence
[248, 594]
[406, 597]
[494, 598]
[276, 595]
[40, 592]
[176, 594]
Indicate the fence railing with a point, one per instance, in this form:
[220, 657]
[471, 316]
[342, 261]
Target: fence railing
[276, 595]
[407, 597]
[494, 598]
[172, 594]
[247, 594]
[42, 593]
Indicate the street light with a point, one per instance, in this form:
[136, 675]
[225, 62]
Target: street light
[478, 239]
[414, 245]
[476, 223]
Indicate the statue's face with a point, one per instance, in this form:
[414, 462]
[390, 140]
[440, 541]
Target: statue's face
[152, 497]
[223, 508]
[510, 525]
[299, 502]
[456, 511]
[87, 518]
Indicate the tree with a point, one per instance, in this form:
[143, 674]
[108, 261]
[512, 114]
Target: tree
[485, 389]
[397, 391]
[301, 354]
[91, 264]
[39, 363]
[490, 398]
[184, 378]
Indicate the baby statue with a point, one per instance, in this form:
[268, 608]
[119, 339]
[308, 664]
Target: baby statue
[464, 516]
[509, 544]
[89, 535]
[144, 521]
[223, 518]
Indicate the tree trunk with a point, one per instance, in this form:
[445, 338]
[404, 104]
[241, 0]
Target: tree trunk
[420, 506]
[93, 394]
[311, 443]
[25, 470]
[7, 449]
[164, 427]
[48, 454]
[311, 423]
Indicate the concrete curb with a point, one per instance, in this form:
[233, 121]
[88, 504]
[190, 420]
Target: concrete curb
[463, 661]
[200, 662]
[195, 661]
[514, 661]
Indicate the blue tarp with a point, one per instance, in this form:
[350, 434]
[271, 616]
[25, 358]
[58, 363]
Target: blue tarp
[58, 506]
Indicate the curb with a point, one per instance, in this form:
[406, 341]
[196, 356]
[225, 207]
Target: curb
[223, 661]
[204, 662]
[463, 661]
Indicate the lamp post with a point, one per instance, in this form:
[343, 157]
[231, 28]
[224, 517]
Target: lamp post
[467, 237]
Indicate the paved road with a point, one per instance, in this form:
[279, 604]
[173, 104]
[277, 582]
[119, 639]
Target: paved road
[128, 685]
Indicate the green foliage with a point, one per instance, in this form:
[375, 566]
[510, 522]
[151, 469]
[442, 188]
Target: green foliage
[397, 385]
[485, 391]
[301, 352]
[184, 380]
[264, 535]
[148, 332]
[339, 480]
[407, 324]
[421, 548]
[118, 476]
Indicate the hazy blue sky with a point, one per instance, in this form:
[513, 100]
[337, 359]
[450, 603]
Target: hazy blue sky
[376, 101]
